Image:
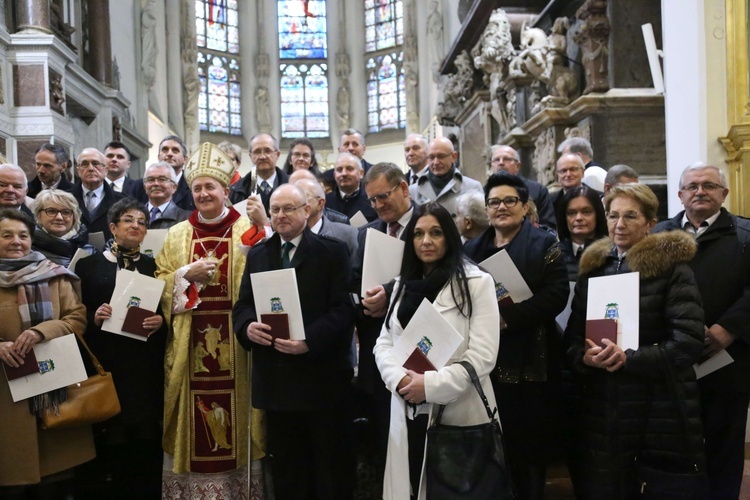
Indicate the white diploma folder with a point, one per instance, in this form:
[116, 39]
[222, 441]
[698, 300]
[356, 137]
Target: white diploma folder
[427, 326]
[718, 360]
[382, 259]
[278, 289]
[153, 241]
[617, 297]
[97, 240]
[61, 366]
[358, 220]
[506, 274]
[132, 289]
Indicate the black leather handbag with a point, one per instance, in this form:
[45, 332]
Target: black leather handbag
[467, 461]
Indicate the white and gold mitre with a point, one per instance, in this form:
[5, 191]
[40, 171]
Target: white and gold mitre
[209, 161]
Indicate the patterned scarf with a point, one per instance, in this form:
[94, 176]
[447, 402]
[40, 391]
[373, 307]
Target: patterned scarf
[30, 275]
[125, 256]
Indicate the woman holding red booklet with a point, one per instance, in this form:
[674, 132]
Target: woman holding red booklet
[639, 425]
[435, 268]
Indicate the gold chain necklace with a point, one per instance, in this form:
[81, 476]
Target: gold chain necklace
[210, 254]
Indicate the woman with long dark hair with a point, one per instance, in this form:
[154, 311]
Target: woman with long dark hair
[580, 222]
[301, 157]
[435, 268]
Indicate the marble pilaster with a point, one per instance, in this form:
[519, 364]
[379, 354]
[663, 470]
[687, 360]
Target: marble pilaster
[33, 16]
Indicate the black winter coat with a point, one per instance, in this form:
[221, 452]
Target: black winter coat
[631, 412]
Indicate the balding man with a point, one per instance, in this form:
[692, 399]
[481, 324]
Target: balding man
[318, 223]
[722, 272]
[443, 182]
[593, 175]
[303, 385]
[619, 174]
[569, 174]
[264, 153]
[94, 196]
[13, 188]
[507, 159]
[349, 197]
[328, 213]
[415, 152]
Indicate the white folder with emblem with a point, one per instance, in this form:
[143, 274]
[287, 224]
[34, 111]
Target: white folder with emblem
[428, 331]
[277, 292]
[132, 289]
[60, 365]
[153, 242]
[507, 277]
[382, 259]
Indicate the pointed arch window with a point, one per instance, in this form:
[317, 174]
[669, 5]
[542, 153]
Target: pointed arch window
[303, 51]
[384, 39]
[217, 38]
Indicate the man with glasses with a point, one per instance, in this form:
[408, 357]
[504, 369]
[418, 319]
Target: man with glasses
[264, 153]
[94, 196]
[349, 197]
[722, 271]
[303, 385]
[569, 174]
[443, 183]
[508, 160]
[388, 194]
[118, 165]
[160, 183]
[51, 161]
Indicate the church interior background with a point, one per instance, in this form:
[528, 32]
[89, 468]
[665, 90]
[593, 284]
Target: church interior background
[527, 73]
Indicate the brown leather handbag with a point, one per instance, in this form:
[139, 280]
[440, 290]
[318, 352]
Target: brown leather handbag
[91, 401]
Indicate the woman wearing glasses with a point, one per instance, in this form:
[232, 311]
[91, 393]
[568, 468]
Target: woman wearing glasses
[59, 232]
[527, 374]
[580, 221]
[301, 157]
[628, 408]
[128, 446]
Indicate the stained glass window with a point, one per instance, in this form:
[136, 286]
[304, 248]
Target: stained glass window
[304, 100]
[384, 24]
[216, 25]
[386, 95]
[302, 29]
[219, 98]
[217, 37]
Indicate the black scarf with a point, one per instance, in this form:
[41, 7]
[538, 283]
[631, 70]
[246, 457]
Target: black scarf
[59, 250]
[417, 290]
[438, 182]
[125, 256]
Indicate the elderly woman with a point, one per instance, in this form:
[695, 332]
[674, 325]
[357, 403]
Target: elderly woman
[59, 232]
[207, 390]
[129, 444]
[435, 268]
[527, 375]
[629, 408]
[301, 157]
[39, 302]
[580, 222]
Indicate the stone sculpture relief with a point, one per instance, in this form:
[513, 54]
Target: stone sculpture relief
[411, 68]
[458, 88]
[593, 39]
[343, 97]
[561, 81]
[115, 74]
[262, 110]
[149, 51]
[531, 60]
[543, 157]
[435, 37]
[116, 129]
[56, 93]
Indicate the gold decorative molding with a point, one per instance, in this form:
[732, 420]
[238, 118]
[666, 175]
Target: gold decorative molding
[737, 141]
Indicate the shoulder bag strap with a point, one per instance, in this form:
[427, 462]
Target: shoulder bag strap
[99, 368]
[478, 386]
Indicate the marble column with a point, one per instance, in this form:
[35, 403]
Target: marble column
[100, 49]
[33, 16]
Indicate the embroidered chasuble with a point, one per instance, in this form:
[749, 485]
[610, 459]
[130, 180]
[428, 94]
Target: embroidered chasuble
[207, 373]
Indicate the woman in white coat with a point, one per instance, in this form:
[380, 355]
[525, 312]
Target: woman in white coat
[435, 268]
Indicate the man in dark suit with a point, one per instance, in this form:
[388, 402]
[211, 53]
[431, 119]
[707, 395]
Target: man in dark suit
[318, 223]
[94, 196]
[722, 272]
[569, 169]
[264, 153]
[159, 182]
[13, 187]
[118, 166]
[302, 384]
[51, 162]
[173, 150]
[349, 197]
[388, 193]
[507, 159]
[352, 142]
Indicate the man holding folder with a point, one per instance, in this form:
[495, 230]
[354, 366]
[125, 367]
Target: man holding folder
[302, 384]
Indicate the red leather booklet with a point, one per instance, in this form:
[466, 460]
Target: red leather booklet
[279, 323]
[29, 366]
[418, 362]
[600, 329]
[134, 321]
